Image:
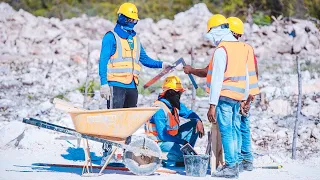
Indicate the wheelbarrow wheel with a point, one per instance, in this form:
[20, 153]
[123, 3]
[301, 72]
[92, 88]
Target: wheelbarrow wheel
[142, 164]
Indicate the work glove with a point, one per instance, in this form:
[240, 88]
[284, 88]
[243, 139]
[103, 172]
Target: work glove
[166, 65]
[105, 91]
[200, 129]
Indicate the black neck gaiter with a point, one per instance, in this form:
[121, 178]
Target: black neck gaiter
[173, 97]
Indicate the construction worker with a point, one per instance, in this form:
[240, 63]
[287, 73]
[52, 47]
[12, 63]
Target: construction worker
[245, 154]
[165, 128]
[227, 84]
[120, 61]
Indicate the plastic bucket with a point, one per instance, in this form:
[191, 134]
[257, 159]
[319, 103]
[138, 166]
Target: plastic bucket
[196, 165]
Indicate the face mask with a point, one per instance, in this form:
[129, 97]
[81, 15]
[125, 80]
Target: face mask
[211, 38]
[173, 97]
[216, 34]
[126, 23]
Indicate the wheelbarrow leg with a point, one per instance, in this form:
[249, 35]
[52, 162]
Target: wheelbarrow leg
[85, 169]
[107, 162]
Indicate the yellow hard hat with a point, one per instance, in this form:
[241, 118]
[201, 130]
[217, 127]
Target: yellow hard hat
[216, 20]
[130, 10]
[172, 82]
[236, 25]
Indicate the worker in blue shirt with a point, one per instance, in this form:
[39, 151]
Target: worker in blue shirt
[120, 62]
[164, 127]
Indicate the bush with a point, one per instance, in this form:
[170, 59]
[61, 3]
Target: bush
[92, 86]
[260, 18]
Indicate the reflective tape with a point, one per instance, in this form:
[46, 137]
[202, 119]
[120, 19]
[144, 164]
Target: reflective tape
[123, 70]
[252, 73]
[236, 78]
[252, 86]
[138, 50]
[232, 88]
[172, 128]
[119, 46]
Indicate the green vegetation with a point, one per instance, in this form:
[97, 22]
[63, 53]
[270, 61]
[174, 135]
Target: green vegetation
[311, 67]
[61, 96]
[156, 9]
[201, 92]
[92, 86]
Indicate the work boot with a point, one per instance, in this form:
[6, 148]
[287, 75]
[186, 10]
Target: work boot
[241, 167]
[227, 172]
[247, 165]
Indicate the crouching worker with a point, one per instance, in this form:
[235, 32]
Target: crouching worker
[164, 127]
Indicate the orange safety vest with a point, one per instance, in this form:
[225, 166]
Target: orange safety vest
[172, 122]
[124, 65]
[253, 76]
[240, 59]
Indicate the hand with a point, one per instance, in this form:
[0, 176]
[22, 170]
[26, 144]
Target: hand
[105, 91]
[165, 65]
[187, 69]
[244, 109]
[212, 114]
[200, 129]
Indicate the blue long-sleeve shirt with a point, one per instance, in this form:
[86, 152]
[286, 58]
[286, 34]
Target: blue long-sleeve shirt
[108, 49]
[160, 119]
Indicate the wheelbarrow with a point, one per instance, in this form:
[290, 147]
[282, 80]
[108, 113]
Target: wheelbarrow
[142, 156]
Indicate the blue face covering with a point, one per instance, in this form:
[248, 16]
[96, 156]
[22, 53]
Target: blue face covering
[124, 23]
[124, 29]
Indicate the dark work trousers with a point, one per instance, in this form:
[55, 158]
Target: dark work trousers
[123, 97]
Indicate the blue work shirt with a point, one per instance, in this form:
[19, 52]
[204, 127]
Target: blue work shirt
[160, 119]
[108, 49]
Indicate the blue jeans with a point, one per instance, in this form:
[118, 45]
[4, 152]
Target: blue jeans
[187, 131]
[245, 152]
[228, 118]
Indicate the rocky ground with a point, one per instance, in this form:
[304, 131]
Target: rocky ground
[43, 58]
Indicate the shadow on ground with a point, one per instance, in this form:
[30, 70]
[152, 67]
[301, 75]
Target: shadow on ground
[77, 154]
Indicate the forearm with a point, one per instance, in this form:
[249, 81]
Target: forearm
[147, 61]
[188, 113]
[200, 72]
[103, 71]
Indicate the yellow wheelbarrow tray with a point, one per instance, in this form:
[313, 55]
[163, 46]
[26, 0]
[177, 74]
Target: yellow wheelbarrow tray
[112, 126]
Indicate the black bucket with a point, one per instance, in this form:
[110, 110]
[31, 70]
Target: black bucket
[196, 165]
